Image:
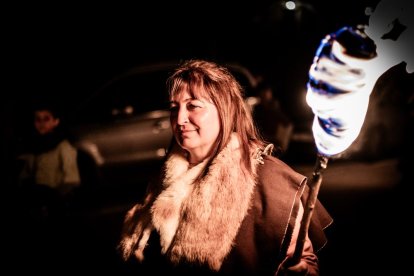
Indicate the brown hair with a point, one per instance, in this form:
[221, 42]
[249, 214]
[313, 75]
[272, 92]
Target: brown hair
[212, 81]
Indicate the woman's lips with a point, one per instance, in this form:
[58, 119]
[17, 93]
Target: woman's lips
[186, 132]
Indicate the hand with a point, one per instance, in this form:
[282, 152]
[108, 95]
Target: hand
[287, 269]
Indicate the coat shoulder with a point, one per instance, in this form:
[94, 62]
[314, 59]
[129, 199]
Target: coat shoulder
[274, 168]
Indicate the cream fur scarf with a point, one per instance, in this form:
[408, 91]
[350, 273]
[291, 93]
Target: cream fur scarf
[197, 221]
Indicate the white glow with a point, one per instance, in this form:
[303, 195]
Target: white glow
[351, 115]
[342, 114]
[382, 20]
[342, 84]
[290, 5]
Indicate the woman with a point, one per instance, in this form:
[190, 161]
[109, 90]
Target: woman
[223, 204]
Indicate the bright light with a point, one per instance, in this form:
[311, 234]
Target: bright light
[336, 129]
[290, 5]
[338, 93]
[340, 83]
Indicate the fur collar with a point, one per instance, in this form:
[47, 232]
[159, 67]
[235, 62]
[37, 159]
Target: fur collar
[197, 220]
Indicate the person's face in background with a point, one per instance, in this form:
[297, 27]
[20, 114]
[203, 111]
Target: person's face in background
[195, 124]
[45, 122]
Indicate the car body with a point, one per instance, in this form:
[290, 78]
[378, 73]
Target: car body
[124, 127]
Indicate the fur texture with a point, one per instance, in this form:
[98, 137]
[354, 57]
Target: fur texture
[197, 221]
[136, 231]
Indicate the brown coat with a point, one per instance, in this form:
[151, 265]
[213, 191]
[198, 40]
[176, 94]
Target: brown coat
[262, 240]
[229, 222]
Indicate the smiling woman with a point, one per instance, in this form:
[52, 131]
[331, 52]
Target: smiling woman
[123, 129]
[223, 205]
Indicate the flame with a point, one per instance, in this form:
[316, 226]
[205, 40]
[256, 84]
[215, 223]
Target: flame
[338, 93]
[340, 83]
[345, 69]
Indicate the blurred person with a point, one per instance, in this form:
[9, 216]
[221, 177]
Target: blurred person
[49, 171]
[273, 123]
[223, 205]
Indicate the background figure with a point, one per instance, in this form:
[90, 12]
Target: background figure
[48, 165]
[273, 123]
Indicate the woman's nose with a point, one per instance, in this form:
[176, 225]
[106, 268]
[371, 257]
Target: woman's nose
[182, 117]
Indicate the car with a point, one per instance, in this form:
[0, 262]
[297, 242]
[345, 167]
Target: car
[122, 131]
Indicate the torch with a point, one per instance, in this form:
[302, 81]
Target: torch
[342, 76]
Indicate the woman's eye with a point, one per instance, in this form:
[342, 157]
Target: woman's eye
[192, 106]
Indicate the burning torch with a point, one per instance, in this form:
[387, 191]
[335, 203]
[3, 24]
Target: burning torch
[342, 76]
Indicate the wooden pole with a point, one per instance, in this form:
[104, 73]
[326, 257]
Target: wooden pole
[314, 185]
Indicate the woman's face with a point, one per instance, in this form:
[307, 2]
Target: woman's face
[195, 124]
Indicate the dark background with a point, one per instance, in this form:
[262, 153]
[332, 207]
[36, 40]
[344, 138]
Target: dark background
[67, 50]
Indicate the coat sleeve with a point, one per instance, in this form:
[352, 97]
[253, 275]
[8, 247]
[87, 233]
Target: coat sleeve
[70, 168]
[294, 192]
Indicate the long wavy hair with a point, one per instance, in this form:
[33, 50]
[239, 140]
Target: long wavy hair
[215, 82]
